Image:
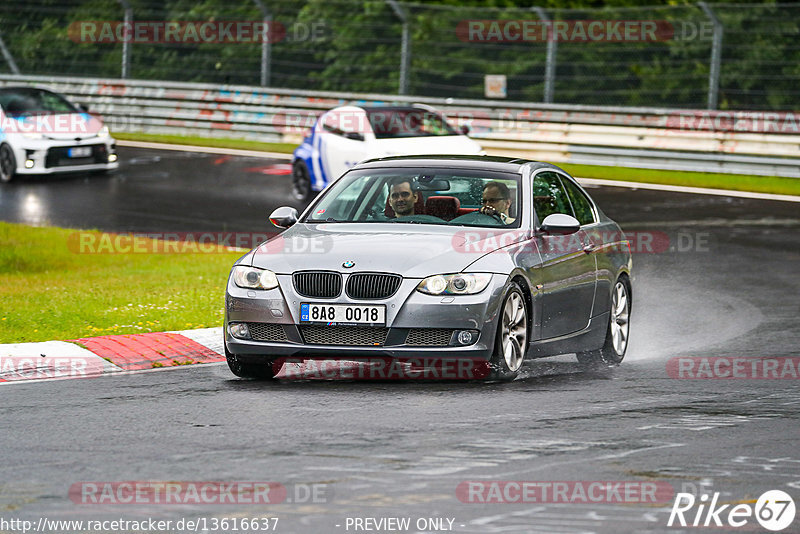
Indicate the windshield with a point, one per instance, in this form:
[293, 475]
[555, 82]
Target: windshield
[389, 123]
[24, 101]
[421, 196]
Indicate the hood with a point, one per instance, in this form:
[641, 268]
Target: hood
[414, 251]
[61, 126]
[439, 144]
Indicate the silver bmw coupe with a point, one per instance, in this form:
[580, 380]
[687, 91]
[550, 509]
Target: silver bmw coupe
[439, 258]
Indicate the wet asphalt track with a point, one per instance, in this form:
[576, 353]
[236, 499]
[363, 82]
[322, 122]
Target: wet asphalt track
[156, 191]
[729, 287]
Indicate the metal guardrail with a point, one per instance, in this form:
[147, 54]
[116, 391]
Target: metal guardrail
[658, 138]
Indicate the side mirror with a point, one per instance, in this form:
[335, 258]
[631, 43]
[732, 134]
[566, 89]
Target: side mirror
[283, 217]
[560, 224]
[464, 129]
[83, 108]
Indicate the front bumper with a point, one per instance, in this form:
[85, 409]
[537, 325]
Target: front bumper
[36, 157]
[405, 311]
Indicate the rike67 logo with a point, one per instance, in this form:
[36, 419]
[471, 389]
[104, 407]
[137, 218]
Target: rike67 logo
[774, 510]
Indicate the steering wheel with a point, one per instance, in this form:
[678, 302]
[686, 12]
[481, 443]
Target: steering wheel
[372, 215]
[495, 215]
[477, 218]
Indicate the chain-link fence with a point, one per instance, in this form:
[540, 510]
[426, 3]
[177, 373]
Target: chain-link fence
[716, 55]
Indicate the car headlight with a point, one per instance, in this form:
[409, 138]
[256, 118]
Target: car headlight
[254, 278]
[455, 284]
[103, 132]
[33, 135]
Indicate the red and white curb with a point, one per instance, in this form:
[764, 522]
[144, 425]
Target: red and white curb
[92, 357]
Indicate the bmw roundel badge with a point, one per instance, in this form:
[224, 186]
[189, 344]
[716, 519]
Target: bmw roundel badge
[348, 264]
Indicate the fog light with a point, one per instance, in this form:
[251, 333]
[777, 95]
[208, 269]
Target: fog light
[112, 158]
[466, 337]
[29, 163]
[239, 330]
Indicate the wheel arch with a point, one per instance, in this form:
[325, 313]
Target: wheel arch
[625, 276]
[525, 287]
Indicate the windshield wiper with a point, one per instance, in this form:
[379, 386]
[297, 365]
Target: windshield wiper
[329, 220]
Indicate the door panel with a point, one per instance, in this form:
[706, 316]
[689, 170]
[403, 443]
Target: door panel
[568, 273]
[340, 153]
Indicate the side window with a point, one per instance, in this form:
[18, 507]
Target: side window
[580, 204]
[51, 102]
[344, 123]
[549, 196]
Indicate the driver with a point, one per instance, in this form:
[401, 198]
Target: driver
[401, 197]
[496, 200]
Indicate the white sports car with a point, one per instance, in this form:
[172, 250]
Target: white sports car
[41, 132]
[346, 135]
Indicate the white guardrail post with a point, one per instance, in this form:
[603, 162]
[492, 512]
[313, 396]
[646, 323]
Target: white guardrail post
[550, 62]
[405, 46]
[716, 56]
[741, 142]
[266, 36]
[8, 57]
[126, 43]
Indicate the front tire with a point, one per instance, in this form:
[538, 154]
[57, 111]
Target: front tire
[8, 164]
[301, 182]
[511, 341]
[266, 370]
[616, 344]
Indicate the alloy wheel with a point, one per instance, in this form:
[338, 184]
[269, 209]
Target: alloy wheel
[514, 332]
[620, 315]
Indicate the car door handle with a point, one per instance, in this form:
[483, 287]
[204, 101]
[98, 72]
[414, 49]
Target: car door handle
[589, 247]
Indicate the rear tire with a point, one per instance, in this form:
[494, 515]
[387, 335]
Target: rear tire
[511, 341]
[301, 182]
[241, 369]
[616, 344]
[8, 163]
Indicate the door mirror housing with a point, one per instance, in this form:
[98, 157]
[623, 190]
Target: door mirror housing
[464, 129]
[283, 217]
[560, 224]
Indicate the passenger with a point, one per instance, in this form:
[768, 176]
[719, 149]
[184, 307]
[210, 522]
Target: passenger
[402, 197]
[496, 200]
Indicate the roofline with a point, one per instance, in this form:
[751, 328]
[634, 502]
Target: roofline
[497, 163]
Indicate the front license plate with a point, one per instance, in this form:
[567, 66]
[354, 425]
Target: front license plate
[80, 152]
[342, 314]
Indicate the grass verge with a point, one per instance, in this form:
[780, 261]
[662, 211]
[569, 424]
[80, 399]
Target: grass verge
[242, 144]
[51, 291]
